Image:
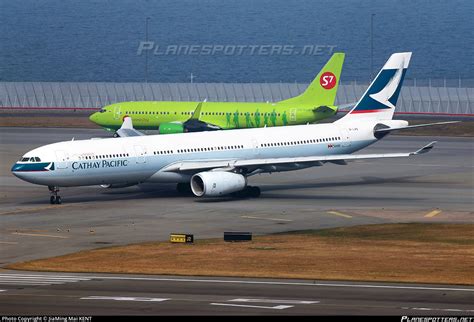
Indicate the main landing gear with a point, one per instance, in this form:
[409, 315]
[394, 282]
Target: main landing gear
[54, 199]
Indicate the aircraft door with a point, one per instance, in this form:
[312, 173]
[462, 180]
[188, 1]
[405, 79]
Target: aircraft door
[140, 153]
[63, 159]
[293, 115]
[346, 139]
[116, 112]
[255, 148]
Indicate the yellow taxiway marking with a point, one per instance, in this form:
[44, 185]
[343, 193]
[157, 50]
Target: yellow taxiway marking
[340, 214]
[264, 218]
[433, 213]
[39, 235]
[17, 211]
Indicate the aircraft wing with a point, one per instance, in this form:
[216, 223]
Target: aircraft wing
[271, 164]
[127, 129]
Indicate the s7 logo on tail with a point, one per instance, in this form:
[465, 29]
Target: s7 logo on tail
[327, 80]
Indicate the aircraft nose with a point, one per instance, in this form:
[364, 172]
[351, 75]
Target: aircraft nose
[16, 170]
[93, 117]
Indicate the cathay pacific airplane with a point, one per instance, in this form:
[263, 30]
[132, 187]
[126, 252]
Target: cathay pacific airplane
[213, 164]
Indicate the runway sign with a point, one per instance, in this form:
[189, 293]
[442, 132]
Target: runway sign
[237, 236]
[182, 238]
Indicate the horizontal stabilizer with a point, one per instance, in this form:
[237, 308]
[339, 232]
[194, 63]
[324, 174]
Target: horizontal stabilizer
[344, 107]
[385, 130]
[427, 148]
[127, 130]
[325, 109]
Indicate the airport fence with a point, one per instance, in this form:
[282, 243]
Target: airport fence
[414, 99]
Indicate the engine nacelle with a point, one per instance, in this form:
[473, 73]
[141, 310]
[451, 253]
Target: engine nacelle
[190, 125]
[118, 185]
[171, 128]
[217, 183]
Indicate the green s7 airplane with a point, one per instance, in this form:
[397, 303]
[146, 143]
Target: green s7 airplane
[314, 104]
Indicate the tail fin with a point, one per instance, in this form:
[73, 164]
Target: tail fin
[323, 89]
[379, 100]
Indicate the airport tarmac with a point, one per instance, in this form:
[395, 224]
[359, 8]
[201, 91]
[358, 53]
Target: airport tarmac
[110, 294]
[434, 187]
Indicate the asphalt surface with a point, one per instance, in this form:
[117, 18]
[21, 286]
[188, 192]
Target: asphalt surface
[375, 191]
[86, 294]
[435, 187]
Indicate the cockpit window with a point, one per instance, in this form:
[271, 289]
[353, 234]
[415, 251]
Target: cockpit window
[32, 159]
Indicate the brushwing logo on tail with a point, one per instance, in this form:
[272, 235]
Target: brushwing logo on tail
[327, 80]
[389, 90]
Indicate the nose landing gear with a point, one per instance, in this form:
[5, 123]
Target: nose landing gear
[55, 198]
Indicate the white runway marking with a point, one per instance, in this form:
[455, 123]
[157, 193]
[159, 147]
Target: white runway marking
[273, 301]
[213, 281]
[435, 309]
[340, 214]
[31, 280]
[286, 283]
[125, 298]
[428, 165]
[266, 218]
[39, 235]
[277, 307]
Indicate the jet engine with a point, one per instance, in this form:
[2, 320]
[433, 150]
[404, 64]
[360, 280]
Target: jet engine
[217, 183]
[191, 125]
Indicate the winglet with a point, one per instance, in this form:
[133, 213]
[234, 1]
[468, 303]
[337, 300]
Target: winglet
[427, 148]
[197, 112]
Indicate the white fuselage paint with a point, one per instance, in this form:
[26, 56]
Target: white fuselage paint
[80, 163]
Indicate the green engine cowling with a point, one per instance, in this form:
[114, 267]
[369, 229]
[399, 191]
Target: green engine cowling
[171, 128]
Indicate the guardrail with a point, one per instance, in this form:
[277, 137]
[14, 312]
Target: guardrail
[49, 95]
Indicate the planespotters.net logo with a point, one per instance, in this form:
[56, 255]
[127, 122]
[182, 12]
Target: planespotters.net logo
[155, 49]
[437, 319]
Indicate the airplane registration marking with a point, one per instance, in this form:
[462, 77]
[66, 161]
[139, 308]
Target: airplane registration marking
[433, 213]
[340, 214]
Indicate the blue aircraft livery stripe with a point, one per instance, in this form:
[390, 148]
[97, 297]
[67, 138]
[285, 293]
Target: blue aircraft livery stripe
[33, 167]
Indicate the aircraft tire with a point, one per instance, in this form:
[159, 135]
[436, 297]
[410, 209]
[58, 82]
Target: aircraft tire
[255, 192]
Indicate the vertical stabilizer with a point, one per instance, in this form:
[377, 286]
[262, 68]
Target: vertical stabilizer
[380, 99]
